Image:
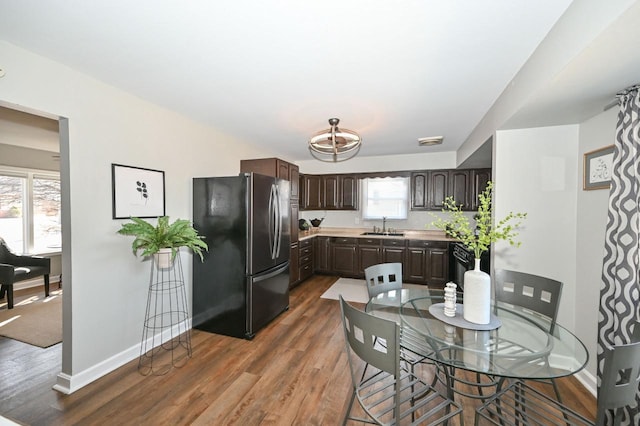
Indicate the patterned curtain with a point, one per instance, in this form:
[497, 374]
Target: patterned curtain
[620, 290]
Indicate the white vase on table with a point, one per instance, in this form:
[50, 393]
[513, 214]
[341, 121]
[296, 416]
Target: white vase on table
[476, 307]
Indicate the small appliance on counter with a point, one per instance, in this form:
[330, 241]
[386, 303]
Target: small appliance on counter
[303, 225]
[316, 222]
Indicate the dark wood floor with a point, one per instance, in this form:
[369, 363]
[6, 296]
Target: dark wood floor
[294, 372]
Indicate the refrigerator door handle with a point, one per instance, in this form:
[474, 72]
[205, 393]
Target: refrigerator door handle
[271, 223]
[278, 220]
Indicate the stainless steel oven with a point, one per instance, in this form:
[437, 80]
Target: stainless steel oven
[463, 261]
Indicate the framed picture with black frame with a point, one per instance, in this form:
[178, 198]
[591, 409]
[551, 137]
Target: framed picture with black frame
[598, 168]
[137, 192]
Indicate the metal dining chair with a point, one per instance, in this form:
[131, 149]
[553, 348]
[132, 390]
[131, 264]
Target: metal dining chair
[522, 404]
[535, 294]
[383, 277]
[390, 394]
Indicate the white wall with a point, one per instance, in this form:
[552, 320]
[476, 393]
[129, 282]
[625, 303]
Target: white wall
[535, 171]
[440, 160]
[105, 285]
[591, 222]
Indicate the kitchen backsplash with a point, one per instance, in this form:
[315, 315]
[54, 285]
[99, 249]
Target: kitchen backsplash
[417, 220]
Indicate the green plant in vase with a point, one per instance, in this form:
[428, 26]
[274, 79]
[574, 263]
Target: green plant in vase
[150, 239]
[479, 237]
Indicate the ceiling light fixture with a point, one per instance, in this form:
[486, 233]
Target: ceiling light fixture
[433, 140]
[329, 144]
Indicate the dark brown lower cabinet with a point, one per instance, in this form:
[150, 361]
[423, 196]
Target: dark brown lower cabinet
[427, 262]
[393, 251]
[294, 276]
[321, 254]
[423, 262]
[305, 261]
[369, 253]
[344, 256]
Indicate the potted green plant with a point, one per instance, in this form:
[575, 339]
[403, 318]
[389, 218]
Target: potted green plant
[478, 238]
[163, 238]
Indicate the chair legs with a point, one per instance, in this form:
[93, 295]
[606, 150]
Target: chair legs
[8, 289]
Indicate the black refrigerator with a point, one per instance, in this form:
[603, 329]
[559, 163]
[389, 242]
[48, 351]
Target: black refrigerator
[243, 282]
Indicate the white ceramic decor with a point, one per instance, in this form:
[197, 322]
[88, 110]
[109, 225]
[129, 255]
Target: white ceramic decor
[477, 296]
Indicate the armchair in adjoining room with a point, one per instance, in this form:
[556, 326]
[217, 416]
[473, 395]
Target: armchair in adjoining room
[14, 268]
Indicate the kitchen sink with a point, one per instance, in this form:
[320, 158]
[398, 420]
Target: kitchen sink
[386, 234]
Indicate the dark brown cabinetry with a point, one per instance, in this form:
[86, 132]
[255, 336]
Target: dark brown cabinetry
[311, 192]
[322, 254]
[479, 180]
[294, 272]
[344, 259]
[393, 251]
[460, 187]
[305, 261]
[369, 253]
[429, 188]
[419, 182]
[427, 262]
[329, 192]
[437, 189]
[348, 185]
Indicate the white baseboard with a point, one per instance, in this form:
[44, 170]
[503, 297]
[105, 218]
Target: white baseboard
[588, 381]
[36, 282]
[68, 384]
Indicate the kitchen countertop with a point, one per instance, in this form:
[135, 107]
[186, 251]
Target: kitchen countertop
[409, 234]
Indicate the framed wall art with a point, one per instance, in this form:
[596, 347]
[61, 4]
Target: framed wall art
[137, 192]
[598, 168]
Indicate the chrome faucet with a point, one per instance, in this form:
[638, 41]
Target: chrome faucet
[384, 224]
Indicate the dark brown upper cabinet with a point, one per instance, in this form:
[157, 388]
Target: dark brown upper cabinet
[429, 188]
[329, 192]
[419, 186]
[479, 180]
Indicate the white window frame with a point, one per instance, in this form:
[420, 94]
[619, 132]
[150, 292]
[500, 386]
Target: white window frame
[402, 199]
[28, 209]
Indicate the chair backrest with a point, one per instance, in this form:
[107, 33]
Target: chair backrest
[5, 252]
[532, 292]
[620, 378]
[362, 330]
[383, 277]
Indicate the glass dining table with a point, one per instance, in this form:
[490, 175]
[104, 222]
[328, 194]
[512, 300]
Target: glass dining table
[521, 343]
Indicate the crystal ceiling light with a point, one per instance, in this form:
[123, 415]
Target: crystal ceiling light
[335, 144]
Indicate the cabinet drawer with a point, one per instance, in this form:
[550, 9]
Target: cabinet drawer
[306, 259]
[305, 251]
[393, 243]
[306, 271]
[428, 244]
[306, 243]
[344, 241]
[368, 241]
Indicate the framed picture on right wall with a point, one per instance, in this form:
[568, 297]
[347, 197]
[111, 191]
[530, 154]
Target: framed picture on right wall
[598, 168]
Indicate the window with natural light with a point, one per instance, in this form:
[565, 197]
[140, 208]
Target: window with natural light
[385, 197]
[30, 219]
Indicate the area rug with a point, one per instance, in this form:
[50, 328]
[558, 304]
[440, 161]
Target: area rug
[352, 290]
[35, 320]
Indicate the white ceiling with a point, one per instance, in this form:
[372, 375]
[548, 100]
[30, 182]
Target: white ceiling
[274, 71]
